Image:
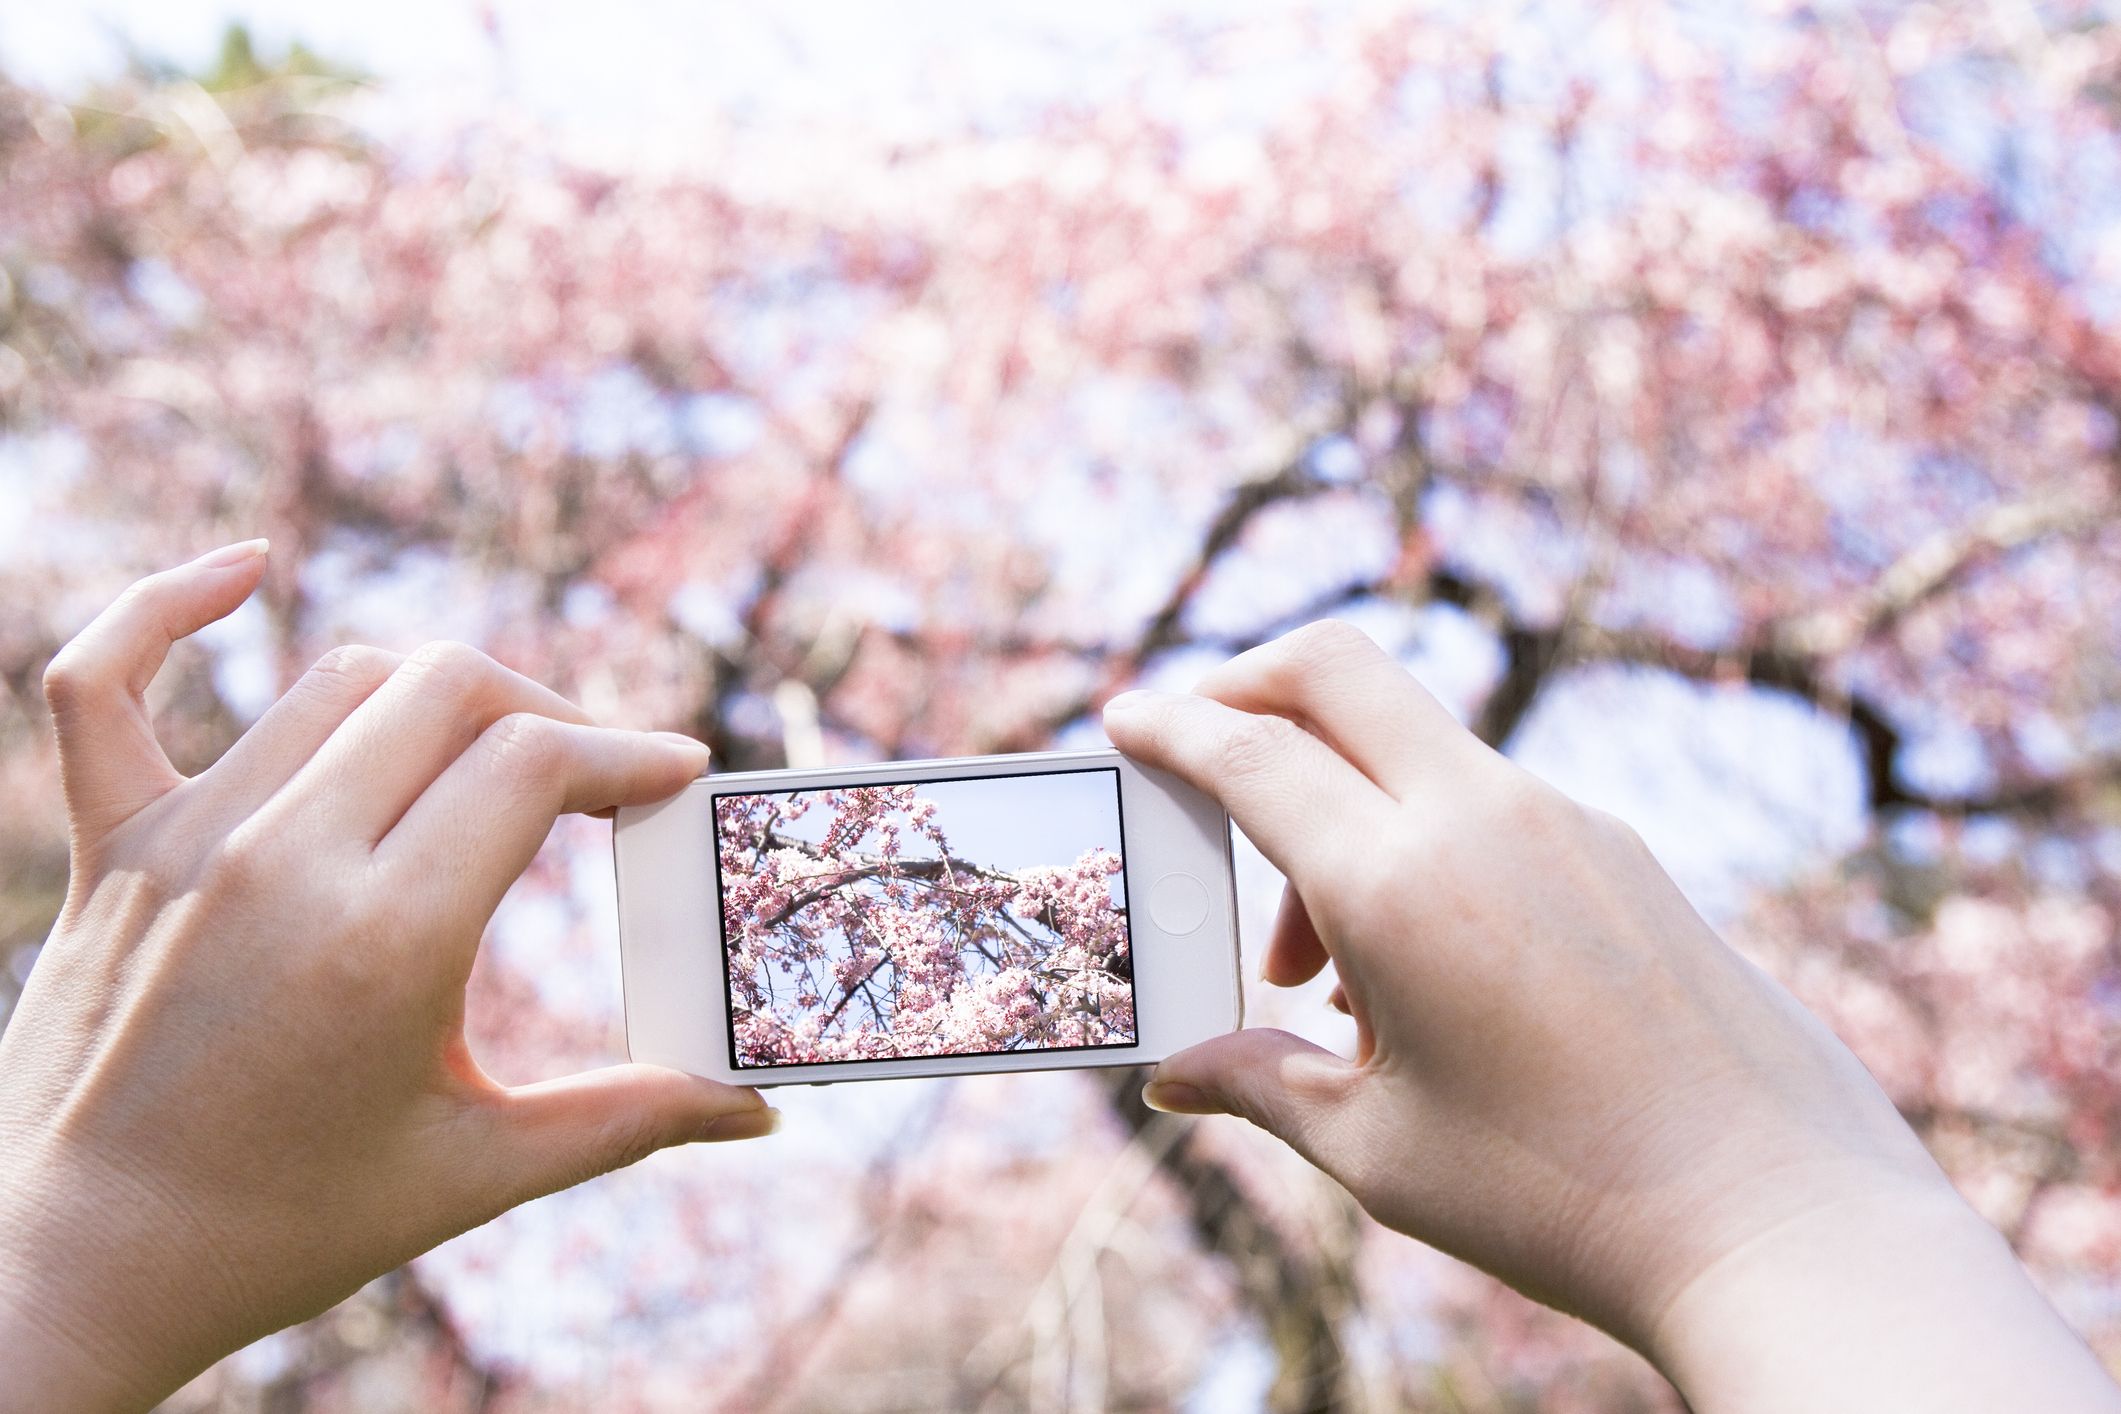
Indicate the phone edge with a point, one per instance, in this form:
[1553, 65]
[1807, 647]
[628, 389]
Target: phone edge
[739, 779]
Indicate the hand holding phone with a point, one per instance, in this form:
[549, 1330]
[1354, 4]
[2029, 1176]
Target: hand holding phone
[926, 918]
[1565, 1077]
[236, 1085]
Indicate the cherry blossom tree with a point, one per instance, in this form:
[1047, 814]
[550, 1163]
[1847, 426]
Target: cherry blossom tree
[1706, 366]
[856, 947]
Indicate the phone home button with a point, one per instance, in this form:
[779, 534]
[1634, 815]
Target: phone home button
[1178, 903]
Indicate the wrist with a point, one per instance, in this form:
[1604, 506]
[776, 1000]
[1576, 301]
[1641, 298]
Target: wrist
[52, 1364]
[1900, 1297]
[92, 1316]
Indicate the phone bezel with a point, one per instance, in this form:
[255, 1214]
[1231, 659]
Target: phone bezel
[1187, 988]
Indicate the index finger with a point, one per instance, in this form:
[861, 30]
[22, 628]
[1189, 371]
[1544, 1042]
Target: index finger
[1331, 677]
[110, 763]
[405, 734]
[1293, 796]
[478, 826]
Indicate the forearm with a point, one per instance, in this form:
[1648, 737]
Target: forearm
[1908, 1302]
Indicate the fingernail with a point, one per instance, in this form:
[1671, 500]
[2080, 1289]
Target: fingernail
[690, 743]
[744, 1124]
[1176, 1098]
[234, 554]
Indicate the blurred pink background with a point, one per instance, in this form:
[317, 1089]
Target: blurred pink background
[1716, 406]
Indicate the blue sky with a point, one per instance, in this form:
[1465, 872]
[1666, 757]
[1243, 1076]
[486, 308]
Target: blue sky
[630, 78]
[1014, 822]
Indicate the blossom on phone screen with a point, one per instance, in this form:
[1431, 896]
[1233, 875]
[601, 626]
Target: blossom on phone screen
[858, 927]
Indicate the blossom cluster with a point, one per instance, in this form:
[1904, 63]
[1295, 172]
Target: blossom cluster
[874, 939]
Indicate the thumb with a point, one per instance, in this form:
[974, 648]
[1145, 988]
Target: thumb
[558, 1133]
[1300, 1093]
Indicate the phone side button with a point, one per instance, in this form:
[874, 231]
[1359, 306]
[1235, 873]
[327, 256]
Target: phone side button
[1178, 903]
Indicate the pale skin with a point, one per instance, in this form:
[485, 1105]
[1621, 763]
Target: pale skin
[1564, 1076]
[237, 1087]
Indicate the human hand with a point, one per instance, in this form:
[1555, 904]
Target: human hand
[236, 1086]
[1563, 1076]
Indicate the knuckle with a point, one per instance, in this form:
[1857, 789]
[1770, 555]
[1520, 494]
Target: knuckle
[626, 1140]
[523, 743]
[242, 861]
[89, 665]
[1320, 1087]
[1370, 1159]
[1325, 642]
[151, 865]
[1613, 831]
[1297, 667]
[67, 678]
[136, 594]
[1521, 804]
[1331, 636]
[450, 668]
[355, 663]
[1252, 744]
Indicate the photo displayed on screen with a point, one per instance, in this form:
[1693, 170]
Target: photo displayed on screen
[963, 917]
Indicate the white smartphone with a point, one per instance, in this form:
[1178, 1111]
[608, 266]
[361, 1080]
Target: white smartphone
[992, 913]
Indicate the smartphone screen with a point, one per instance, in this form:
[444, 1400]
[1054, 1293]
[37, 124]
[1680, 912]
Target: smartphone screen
[973, 916]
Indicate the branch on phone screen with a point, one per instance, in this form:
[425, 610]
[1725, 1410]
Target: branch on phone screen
[876, 939]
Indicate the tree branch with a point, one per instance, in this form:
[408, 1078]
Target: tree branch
[1879, 738]
[1936, 566]
[1164, 629]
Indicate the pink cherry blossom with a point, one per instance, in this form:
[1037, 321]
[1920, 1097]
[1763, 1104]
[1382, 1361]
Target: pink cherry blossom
[855, 947]
[1765, 352]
